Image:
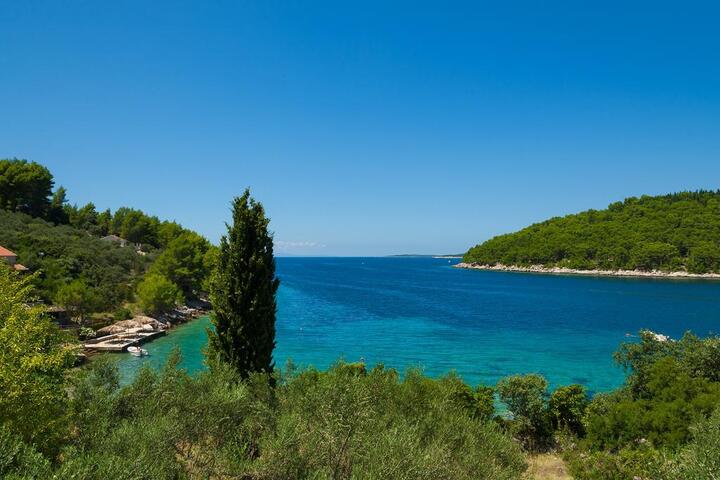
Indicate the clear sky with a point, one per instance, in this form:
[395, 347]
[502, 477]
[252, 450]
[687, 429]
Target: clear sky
[366, 128]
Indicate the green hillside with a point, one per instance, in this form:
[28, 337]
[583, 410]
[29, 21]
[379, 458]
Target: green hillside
[62, 244]
[61, 254]
[673, 232]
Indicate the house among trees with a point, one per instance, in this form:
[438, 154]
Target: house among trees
[115, 239]
[11, 259]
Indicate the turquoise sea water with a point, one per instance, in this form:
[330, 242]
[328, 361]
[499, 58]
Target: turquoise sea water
[422, 312]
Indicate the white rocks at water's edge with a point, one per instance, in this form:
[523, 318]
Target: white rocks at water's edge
[573, 271]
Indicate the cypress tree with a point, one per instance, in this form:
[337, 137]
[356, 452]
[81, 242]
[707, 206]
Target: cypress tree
[243, 291]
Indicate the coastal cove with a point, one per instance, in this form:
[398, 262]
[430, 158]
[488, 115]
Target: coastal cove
[406, 312]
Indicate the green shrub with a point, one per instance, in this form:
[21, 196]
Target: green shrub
[699, 459]
[122, 313]
[704, 257]
[344, 423]
[157, 294]
[375, 426]
[525, 397]
[86, 332]
[627, 464]
[19, 460]
[661, 415]
[34, 356]
[354, 368]
[183, 262]
[643, 429]
[653, 256]
[567, 408]
[79, 300]
[695, 356]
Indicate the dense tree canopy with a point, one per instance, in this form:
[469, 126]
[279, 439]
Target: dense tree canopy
[79, 270]
[183, 262]
[671, 232]
[78, 298]
[25, 187]
[157, 294]
[85, 218]
[57, 211]
[62, 254]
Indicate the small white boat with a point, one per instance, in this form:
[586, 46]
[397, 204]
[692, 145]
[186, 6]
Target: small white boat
[137, 351]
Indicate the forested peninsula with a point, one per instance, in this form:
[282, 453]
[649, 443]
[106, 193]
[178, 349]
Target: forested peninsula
[671, 235]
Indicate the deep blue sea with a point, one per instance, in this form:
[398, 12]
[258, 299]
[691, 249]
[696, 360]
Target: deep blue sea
[420, 312]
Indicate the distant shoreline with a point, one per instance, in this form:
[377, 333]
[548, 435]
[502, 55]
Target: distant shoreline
[419, 255]
[591, 273]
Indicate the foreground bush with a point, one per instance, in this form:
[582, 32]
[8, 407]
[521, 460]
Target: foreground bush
[19, 460]
[33, 361]
[672, 402]
[342, 424]
[699, 459]
[659, 424]
[629, 463]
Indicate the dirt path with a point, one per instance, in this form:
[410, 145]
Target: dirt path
[547, 466]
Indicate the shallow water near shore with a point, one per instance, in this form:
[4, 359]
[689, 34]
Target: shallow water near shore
[405, 312]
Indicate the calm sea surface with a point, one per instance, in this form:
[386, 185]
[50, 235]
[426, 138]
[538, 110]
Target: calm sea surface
[406, 312]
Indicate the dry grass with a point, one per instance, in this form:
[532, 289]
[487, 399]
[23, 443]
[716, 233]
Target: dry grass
[546, 466]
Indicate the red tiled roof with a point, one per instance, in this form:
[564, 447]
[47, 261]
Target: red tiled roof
[4, 252]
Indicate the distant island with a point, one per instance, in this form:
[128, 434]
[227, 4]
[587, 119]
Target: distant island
[675, 235]
[413, 255]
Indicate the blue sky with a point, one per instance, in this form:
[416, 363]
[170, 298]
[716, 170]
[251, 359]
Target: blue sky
[365, 128]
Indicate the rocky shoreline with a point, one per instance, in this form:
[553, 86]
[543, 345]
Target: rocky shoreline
[140, 329]
[596, 273]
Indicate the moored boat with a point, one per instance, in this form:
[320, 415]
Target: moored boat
[136, 351]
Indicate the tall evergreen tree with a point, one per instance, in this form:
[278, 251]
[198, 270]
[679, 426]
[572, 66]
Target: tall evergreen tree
[243, 291]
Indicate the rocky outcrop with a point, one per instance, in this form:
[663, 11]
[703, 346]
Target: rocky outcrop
[161, 322]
